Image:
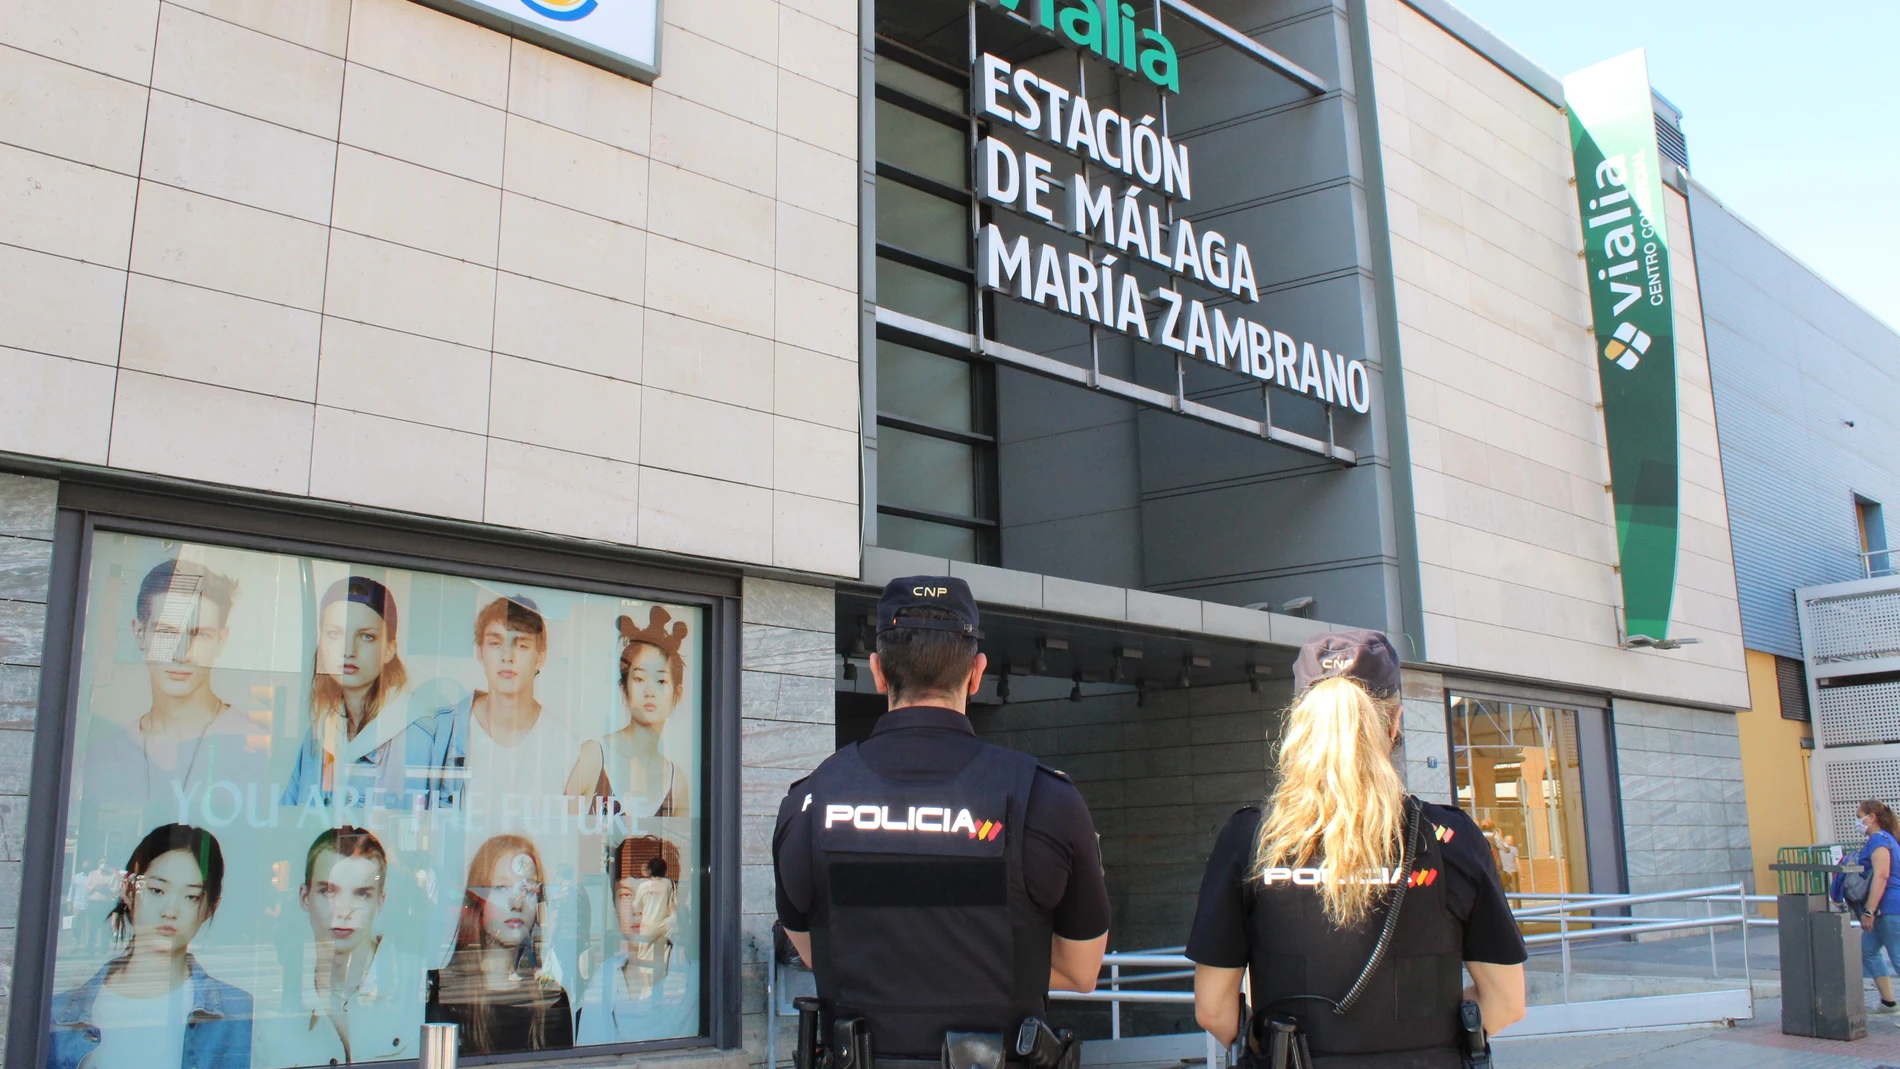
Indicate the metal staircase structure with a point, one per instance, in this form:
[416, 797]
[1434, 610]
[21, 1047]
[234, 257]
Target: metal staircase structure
[1850, 633]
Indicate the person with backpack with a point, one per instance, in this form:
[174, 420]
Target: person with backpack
[1874, 896]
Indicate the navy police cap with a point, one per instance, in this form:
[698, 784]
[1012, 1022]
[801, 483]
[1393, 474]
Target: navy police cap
[904, 596]
[1366, 657]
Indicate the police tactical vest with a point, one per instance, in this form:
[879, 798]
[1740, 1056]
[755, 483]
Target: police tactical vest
[1408, 1014]
[921, 920]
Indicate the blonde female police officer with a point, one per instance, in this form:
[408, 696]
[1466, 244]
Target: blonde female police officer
[1300, 894]
[937, 884]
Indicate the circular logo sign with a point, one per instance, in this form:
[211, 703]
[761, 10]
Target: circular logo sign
[565, 10]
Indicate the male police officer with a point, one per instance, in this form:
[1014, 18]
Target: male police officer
[938, 885]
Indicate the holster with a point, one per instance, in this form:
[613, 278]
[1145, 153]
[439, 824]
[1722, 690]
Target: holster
[1040, 1047]
[1275, 1041]
[1472, 1041]
[850, 1045]
[810, 1053]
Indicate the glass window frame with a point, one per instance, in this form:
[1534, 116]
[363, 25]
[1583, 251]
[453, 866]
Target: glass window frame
[964, 274]
[981, 436]
[342, 534]
[982, 433]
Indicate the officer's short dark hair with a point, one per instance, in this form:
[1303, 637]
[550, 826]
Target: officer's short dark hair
[920, 661]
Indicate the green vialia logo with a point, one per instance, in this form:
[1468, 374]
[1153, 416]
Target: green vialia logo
[1107, 28]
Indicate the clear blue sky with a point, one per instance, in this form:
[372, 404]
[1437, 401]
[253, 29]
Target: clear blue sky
[1791, 110]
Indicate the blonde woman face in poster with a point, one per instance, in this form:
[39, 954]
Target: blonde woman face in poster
[353, 647]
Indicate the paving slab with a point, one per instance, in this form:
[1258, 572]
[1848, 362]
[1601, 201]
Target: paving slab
[1756, 1044]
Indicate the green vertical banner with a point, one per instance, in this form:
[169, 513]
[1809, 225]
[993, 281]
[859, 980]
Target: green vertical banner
[1626, 250]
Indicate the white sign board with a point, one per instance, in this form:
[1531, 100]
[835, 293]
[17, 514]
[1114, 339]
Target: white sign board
[620, 35]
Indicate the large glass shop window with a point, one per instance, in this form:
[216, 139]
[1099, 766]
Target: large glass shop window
[315, 804]
[1516, 771]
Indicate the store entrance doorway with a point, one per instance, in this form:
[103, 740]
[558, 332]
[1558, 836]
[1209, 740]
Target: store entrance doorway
[1517, 771]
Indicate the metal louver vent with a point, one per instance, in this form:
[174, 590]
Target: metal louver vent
[1860, 715]
[1671, 143]
[1855, 627]
[1791, 679]
[1850, 783]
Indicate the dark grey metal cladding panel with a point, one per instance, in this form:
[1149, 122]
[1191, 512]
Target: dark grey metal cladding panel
[1295, 238]
[1349, 595]
[1295, 521]
[1178, 454]
[1228, 523]
[1791, 360]
[1101, 548]
[1267, 154]
[1220, 82]
[1069, 465]
[1332, 313]
[1030, 406]
[1076, 473]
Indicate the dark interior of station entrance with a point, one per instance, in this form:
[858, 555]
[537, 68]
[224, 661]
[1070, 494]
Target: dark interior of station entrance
[1165, 733]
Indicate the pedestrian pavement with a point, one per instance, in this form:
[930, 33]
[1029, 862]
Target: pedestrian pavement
[1756, 1044]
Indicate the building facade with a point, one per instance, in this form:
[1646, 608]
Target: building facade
[1803, 379]
[597, 391]
[300, 293]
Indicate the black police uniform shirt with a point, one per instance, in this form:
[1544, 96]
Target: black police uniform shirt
[1473, 894]
[1062, 859]
[1454, 911]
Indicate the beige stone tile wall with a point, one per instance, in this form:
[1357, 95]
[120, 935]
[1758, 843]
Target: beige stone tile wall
[364, 251]
[1516, 532]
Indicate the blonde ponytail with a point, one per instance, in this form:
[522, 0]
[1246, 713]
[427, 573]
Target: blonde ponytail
[1339, 798]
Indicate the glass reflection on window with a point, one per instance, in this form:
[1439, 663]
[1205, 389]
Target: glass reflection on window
[1516, 770]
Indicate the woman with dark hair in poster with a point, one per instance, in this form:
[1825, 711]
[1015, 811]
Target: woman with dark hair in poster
[357, 701]
[152, 1006]
[634, 776]
[189, 737]
[648, 990]
[493, 986]
[357, 1002]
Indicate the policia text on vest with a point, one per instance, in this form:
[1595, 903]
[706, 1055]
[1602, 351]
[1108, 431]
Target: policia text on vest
[1362, 971]
[937, 885]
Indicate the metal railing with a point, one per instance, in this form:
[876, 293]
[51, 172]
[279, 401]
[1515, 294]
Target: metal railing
[1578, 921]
[1878, 563]
[1578, 917]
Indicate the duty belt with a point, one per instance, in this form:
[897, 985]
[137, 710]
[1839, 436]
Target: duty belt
[1034, 1046]
[1278, 1041]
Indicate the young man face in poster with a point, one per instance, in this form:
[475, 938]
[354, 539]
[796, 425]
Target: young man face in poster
[511, 641]
[180, 627]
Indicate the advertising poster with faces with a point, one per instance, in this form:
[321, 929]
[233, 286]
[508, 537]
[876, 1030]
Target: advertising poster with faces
[315, 804]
